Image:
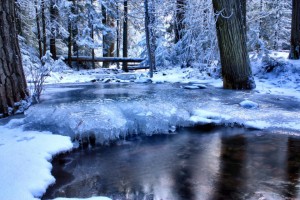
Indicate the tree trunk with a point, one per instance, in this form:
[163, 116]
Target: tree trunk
[118, 35]
[38, 30]
[13, 86]
[125, 35]
[92, 36]
[18, 18]
[111, 49]
[44, 27]
[179, 24]
[244, 14]
[53, 20]
[236, 70]
[108, 38]
[295, 33]
[105, 37]
[75, 11]
[70, 38]
[150, 37]
[152, 33]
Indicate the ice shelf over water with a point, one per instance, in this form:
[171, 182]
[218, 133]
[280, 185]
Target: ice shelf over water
[109, 111]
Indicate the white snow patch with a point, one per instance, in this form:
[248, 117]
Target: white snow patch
[205, 117]
[257, 124]
[25, 169]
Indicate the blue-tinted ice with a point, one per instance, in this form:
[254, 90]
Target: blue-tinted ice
[109, 111]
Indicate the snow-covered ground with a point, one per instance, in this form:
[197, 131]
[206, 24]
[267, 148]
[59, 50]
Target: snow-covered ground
[281, 78]
[25, 155]
[25, 161]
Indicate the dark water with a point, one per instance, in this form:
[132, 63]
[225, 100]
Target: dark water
[195, 163]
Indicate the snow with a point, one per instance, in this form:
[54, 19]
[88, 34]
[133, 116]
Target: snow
[92, 198]
[207, 117]
[25, 155]
[257, 124]
[25, 161]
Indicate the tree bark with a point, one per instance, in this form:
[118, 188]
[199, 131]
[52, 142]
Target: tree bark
[53, 20]
[125, 36]
[150, 36]
[18, 18]
[108, 38]
[70, 38]
[44, 27]
[13, 86]
[118, 35]
[236, 70]
[295, 33]
[179, 24]
[75, 11]
[92, 36]
[244, 14]
[38, 30]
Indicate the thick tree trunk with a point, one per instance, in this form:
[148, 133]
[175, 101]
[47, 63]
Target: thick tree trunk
[13, 87]
[295, 33]
[236, 70]
[53, 20]
[125, 36]
[179, 24]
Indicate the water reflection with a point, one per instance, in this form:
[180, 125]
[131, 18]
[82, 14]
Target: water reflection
[293, 169]
[221, 163]
[231, 177]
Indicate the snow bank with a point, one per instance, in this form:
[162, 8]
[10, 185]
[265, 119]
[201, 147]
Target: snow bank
[25, 169]
[277, 75]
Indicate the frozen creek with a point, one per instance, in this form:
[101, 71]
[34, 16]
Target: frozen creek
[204, 162]
[110, 111]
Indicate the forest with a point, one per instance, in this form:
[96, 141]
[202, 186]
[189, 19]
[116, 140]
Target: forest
[149, 99]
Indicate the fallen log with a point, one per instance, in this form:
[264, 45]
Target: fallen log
[102, 59]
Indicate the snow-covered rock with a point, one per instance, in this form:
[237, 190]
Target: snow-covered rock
[249, 104]
[127, 76]
[191, 87]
